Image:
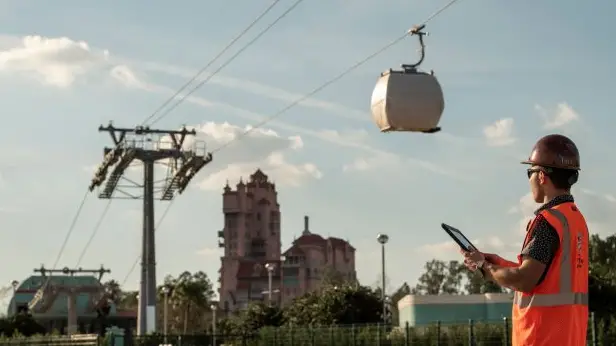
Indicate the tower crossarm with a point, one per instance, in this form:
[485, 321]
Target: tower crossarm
[127, 157]
[195, 164]
[188, 169]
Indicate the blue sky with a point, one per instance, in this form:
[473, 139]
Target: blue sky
[511, 72]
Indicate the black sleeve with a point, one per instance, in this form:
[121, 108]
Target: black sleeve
[544, 242]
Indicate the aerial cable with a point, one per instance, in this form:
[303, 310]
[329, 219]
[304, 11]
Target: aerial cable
[331, 81]
[303, 98]
[39, 293]
[228, 61]
[188, 83]
[93, 234]
[223, 51]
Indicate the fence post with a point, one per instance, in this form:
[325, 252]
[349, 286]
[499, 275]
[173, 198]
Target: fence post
[276, 342]
[471, 333]
[378, 334]
[438, 333]
[506, 321]
[311, 330]
[593, 329]
[291, 335]
[331, 335]
[407, 334]
[353, 336]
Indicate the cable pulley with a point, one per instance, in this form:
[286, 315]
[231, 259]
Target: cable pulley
[408, 100]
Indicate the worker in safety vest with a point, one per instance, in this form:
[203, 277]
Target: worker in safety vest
[550, 277]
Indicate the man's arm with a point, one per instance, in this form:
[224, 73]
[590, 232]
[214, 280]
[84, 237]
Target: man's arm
[537, 256]
[499, 261]
[522, 278]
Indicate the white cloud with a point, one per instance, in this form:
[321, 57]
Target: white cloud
[261, 148]
[208, 252]
[259, 89]
[372, 162]
[348, 135]
[449, 250]
[562, 115]
[59, 61]
[500, 133]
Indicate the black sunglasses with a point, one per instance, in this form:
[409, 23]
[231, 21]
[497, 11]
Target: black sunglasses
[531, 171]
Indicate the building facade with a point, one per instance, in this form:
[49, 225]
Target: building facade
[311, 258]
[251, 239]
[53, 310]
[421, 310]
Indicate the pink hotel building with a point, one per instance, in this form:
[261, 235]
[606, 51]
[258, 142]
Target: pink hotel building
[251, 240]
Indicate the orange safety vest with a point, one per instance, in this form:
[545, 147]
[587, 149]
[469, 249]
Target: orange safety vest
[555, 312]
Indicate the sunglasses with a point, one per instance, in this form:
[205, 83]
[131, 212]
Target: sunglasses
[531, 171]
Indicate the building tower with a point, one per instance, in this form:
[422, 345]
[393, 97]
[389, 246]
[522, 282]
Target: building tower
[251, 239]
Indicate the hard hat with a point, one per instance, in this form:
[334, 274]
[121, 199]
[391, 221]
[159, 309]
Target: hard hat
[555, 151]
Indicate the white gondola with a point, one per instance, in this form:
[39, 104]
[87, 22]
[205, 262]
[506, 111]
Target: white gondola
[408, 100]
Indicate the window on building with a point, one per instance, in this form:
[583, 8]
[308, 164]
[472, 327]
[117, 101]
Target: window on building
[230, 221]
[258, 216]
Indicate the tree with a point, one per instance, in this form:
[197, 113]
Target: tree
[400, 293]
[602, 279]
[440, 277]
[189, 298]
[128, 300]
[347, 304]
[259, 315]
[113, 291]
[22, 323]
[333, 277]
[476, 284]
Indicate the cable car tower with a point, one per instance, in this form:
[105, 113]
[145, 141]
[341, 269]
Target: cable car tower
[149, 146]
[408, 100]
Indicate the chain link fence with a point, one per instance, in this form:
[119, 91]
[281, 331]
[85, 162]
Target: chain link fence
[470, 333]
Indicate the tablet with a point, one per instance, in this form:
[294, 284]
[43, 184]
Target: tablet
[458, 237]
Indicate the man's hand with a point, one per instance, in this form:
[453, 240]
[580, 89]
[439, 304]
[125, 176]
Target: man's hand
[493, 258]
[473, 259]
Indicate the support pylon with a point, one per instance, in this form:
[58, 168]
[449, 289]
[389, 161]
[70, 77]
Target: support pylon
[148, 146]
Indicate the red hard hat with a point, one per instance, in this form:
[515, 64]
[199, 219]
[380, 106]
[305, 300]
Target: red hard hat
[555, 151]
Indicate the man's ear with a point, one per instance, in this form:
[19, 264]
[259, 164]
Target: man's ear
[543, 178]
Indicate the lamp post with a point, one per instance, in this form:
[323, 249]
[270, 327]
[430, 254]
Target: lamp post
[213, 307]
[383, 239]
[14, 284]
[166, 292]
[270, 272]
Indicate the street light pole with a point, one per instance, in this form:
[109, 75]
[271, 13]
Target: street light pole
[270, 272]
[214, 307]
[165, 311]
[14, 284]
[383, 239]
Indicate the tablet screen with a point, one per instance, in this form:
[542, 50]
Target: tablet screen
[458, 237]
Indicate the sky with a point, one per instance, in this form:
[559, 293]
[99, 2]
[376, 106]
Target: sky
[511, 72]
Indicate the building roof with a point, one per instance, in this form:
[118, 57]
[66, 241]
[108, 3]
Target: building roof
[312, 239]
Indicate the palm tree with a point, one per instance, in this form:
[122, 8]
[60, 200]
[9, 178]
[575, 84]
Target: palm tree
[113, 291]
[189, 298]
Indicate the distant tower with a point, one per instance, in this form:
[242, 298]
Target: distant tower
[250, 237]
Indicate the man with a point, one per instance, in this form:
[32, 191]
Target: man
[550, 278]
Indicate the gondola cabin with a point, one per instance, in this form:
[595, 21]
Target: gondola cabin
[407, 101]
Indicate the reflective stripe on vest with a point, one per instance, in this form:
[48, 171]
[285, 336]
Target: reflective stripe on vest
[565, 296]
